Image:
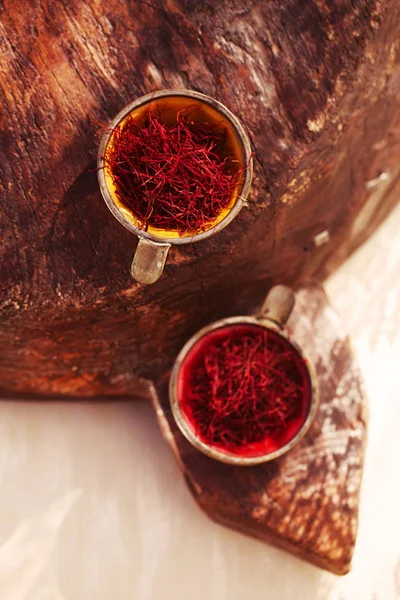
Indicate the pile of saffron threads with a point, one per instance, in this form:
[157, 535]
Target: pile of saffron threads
[244, 388]
[172, 177]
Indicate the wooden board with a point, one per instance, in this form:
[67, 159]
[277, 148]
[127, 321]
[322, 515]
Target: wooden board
[317, 87]
[306, 501]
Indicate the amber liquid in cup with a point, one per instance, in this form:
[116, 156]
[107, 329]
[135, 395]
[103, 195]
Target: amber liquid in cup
[155, 242]
[167, 109]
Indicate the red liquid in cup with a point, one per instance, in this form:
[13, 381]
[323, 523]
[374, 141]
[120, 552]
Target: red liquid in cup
[235, 382]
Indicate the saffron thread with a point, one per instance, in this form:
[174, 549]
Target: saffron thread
[243, 386]
[173, 177]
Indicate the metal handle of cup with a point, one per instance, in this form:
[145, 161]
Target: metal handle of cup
[278, 305]
[149, 260]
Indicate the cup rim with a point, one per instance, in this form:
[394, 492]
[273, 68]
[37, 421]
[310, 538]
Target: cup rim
[241, 134]
[213, 452]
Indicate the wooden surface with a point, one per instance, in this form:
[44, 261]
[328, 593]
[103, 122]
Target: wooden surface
[306, 501]
[316, 85]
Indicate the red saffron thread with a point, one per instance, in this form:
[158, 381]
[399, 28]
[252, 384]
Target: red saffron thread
[174, 177]
[245, 389]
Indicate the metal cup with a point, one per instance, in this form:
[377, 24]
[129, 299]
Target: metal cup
[273, 316]
[152, 250]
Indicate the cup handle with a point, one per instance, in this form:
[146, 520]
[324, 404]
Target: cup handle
[149, 260]
[278, 305]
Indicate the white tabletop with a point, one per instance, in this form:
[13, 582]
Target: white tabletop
[93, 506]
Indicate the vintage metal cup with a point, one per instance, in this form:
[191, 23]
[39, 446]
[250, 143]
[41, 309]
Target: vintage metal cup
[152, 250]
[273, 316]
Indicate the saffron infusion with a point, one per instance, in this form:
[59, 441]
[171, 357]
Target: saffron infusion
[244, 389]
[179, 176]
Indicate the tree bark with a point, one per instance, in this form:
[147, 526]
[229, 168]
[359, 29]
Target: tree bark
[315, 83]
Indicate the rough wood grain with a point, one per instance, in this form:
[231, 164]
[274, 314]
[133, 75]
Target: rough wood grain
[306, 501]
[317, 86]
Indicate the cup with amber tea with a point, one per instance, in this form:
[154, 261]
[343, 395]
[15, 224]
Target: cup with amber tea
[174, 167]
[241, 390]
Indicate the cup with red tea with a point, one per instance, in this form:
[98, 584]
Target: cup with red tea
[174, 167]
[241, 390]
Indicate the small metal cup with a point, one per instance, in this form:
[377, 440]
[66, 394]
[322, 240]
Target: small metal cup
[152, 250]
[275, 312]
